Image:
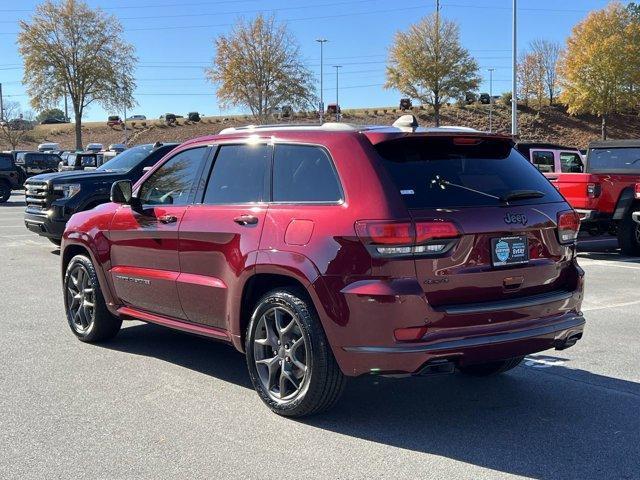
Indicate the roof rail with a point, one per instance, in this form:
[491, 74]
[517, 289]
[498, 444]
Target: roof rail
[332, 126]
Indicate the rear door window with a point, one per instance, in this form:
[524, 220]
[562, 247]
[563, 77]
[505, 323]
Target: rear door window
[434, 173]
[544, 161]
[5, 162]
[239, 175]
[304, 173]
[571, 162]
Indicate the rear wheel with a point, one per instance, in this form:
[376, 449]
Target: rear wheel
[629, 235]
[492, 368]
[5, 191]
[290, 362]
[87, 314]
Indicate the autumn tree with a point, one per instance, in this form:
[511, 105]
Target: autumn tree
[71, 48]
[259, 66]
[548, 54]
[428, 63]
[530, 76]
[16, 125]
[600, 68]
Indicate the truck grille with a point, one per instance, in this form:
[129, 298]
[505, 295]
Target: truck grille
[37, 195]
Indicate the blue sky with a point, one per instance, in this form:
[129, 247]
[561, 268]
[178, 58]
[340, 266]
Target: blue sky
[174, 42]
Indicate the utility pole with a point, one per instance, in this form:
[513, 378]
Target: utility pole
[1, 104]
[514, 83]
[66, 110]
[124, 120]
[321, 41]
[491, 99]
[337, 67]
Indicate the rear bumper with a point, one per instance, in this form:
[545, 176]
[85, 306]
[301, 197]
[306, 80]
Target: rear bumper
[44, 223]
[467, 347]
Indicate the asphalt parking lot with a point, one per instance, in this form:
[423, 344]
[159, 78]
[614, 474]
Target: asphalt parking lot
[161, 404]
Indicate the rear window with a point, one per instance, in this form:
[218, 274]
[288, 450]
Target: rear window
[435, 173]
[613, 160]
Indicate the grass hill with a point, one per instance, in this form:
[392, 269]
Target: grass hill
[551, 124]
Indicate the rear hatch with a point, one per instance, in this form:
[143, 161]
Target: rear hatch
[496, 214]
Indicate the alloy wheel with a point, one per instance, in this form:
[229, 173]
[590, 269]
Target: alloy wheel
[280, 354]
[80, 298]
[636, 232]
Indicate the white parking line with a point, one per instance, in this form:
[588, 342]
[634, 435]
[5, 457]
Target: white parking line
[615, 305]
[606, 263]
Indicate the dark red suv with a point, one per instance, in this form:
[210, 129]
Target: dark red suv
[332, 251]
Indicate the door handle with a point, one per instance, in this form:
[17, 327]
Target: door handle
[168, 219]
[246, 220]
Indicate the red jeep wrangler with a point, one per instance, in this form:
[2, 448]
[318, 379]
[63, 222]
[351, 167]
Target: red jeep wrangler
[332, 251]
[606, 195]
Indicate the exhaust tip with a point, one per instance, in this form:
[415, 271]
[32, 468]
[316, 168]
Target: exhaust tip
[570, 341]
[437, 367]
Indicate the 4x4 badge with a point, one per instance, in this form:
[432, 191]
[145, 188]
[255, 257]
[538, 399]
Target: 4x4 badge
[515, 218]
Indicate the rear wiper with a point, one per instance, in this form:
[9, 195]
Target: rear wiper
[521, 195]
[513, 195]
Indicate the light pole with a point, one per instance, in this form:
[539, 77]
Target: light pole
[321, 41]
[490, 98]
[337, 67]
[514, 84]
[1, 104]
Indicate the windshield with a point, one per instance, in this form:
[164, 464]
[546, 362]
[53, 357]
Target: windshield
[435, 173]
[614, 160]
[126, 160]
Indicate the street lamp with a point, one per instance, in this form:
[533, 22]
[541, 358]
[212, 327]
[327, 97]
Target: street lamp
[321, 41]
[337, 67]
[514, 85]
[490, 98]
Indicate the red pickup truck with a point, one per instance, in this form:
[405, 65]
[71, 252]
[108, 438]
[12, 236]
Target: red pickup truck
[608, 192]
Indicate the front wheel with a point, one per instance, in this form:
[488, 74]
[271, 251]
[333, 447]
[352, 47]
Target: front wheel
[493, 368]
[290, 362]
[629, 236]
[87, 313]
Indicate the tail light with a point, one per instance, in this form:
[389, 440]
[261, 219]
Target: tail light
[593, 190]
[636, 190]
[568, 226]
[410, 334]
[392, 239]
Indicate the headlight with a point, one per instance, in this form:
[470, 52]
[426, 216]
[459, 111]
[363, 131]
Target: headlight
[68, 189]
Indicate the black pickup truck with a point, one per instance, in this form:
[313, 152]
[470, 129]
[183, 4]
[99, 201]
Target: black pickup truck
[10, 176]
[53, 197]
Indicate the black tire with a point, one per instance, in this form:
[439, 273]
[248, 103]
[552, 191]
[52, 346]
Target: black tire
[493, 368]
[92, 324]
[5, 191]
[629, 235]
[322, 383]
[56, 241]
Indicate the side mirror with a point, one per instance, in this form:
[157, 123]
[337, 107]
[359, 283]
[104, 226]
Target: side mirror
[121, 192]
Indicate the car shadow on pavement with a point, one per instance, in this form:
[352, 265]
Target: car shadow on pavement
[543, 420]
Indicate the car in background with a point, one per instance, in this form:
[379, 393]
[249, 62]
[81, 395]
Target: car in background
[330, 251]
[53, 198]
[116, 147]
[35, 163]
[81, 161]
[49, 147]
[551, 158]
[405, 104]
[10, 176]
[114, 121]
[53, 121]
[94, 147]
[135, 118]
[485, 98]
[607, 193]
[193, 116]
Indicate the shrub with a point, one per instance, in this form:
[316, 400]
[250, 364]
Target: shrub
[375, 112]
[133, 124]
[506, 98]
[144, 124]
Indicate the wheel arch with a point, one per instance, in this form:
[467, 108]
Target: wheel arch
[625, 201]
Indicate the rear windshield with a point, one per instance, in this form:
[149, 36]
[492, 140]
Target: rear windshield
[435, 173]
[613, 160]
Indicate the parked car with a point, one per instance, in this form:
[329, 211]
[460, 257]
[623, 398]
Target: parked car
[193, 116]
[169, 118]
[333, 109]
[35, 163]
[53, 121]
[470, 98]
[405, 104]
[117, 147]
[94, 147]
[53, 198]
[81, 161]
[10, 176]
[605, 194]
[551, 158]
[136, 118]
[287, 111]
[335, 252]
[114, 121]
[48, 147]
[485, 98]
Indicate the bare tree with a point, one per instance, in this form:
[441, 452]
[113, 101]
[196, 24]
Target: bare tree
[16, 125]
[428, 63]
[259, 66]
[70, 48]
[548, 53]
